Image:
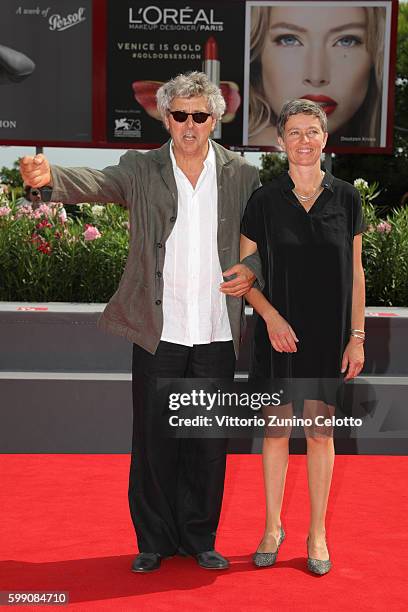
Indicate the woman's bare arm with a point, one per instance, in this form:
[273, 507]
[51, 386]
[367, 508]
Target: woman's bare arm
[281, 334]
[353, 357]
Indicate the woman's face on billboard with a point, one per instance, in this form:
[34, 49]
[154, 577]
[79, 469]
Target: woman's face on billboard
[319, 54]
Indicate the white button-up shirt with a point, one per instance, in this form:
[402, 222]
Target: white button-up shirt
[194, 309]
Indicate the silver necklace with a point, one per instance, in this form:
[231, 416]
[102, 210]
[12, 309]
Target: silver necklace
[304, 198]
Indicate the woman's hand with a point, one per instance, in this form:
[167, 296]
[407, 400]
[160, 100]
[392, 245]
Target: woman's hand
[281, 335]
[353, 358]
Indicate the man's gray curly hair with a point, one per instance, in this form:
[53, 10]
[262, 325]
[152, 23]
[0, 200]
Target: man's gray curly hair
[189, 85]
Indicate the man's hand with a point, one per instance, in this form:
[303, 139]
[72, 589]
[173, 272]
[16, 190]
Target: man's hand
[353, 358]
[241, 283]
[35, 171]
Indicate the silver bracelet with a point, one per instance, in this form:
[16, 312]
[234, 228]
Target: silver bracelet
[355, 334]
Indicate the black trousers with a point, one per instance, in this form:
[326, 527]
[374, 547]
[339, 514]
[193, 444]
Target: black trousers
[175, 485]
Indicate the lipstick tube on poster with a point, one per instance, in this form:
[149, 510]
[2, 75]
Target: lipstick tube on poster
[211, 67]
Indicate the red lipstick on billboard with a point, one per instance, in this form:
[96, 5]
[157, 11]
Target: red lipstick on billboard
[211, 67]
[328, 104]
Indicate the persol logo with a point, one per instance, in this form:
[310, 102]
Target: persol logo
[57, 23]
[155, 15]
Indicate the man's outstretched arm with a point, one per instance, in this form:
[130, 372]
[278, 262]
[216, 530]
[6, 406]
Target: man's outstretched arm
[74, 185]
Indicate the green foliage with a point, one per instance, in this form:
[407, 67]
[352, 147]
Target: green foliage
[401, 87]
[368, 192]
[402, 41]
[45, 258]
[272, 165]
[385, 251]
[11, 177]
[385, 258]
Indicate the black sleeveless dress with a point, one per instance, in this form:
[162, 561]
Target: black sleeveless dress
[307, 260]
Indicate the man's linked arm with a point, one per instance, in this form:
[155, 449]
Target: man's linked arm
[253, 261]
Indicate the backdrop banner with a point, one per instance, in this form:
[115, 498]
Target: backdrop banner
[45, 71]
[150, 43]
[86, 72]
[334, 53]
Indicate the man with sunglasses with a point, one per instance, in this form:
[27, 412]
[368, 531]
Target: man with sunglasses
[186, 200]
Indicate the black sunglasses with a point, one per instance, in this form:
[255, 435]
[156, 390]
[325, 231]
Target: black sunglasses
[181, 116]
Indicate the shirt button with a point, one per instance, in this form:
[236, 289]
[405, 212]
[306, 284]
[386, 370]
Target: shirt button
[159, 274]
[172, 219]
[159, 245]
[158, 302]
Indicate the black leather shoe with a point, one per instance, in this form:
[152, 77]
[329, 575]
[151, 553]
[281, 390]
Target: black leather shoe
[146, 562]
[211, 559]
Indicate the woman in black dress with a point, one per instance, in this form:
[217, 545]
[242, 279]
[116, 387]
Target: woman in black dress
[307, 227]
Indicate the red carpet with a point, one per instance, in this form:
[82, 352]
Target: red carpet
[64, 526]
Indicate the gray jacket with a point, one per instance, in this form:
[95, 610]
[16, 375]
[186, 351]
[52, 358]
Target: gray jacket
[144, 182]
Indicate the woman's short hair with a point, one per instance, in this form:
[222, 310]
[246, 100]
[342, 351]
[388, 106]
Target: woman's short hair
[300, 107]
[189, 85]
[366, 121]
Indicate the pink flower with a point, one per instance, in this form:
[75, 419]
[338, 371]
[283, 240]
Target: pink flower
[91, 232]
[62, 215]
[45, 209]
[24, 211]
[4, 211]
[384, 227]
[42, 210]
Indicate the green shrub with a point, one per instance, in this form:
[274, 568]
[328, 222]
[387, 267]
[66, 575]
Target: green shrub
[47, 256]
[385, 251]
